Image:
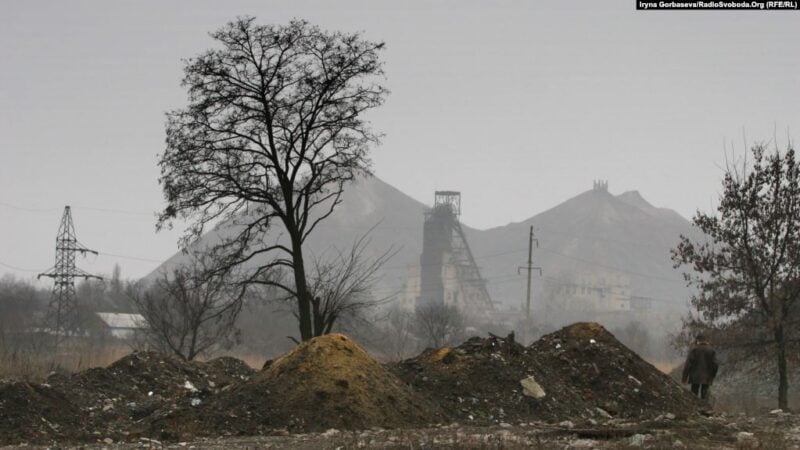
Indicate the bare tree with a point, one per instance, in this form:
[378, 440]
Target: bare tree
[748, 274]
[399, 333]
[438, 324]
[341, 286]
[273, 131]
[189, 312]
[19, 301]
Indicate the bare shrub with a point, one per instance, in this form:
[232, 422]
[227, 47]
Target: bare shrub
[190, 311]
[438, 324]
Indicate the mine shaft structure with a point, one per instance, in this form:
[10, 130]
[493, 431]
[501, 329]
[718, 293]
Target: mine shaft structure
[62, 319]
[448, 272]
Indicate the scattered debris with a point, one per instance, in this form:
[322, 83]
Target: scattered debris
[531, 388]
[746, 440]
[563, 389]
[327, 382]
[603, 380]
[116, 402]
[637, 440]
[585, 372]
[34, 413]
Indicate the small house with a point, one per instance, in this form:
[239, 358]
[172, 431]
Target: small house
[122, 325]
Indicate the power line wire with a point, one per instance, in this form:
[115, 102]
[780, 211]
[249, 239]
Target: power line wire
[136, 258]
[657, 277]
[117, 211]
[122, 211]
[22, 208]
[87, 208]
[9, 266]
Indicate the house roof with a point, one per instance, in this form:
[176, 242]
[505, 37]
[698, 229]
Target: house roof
[122, 320]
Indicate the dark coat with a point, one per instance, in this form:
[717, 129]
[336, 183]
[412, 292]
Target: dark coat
[701, 365]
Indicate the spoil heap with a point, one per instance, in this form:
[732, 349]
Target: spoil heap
[37, 414]
[327, 382]
[600, 377]
[478, 381]
[578, 373]
[115, 398]
[115, 402]
[226, 370]
[583, 372]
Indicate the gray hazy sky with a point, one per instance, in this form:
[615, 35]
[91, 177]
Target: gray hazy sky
[518, 105]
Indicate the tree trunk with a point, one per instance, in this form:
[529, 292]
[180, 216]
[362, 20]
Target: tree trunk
[303, 296]
[317, 318]
[783, 381]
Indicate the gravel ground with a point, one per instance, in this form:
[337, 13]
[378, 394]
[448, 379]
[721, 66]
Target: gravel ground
[772, 431]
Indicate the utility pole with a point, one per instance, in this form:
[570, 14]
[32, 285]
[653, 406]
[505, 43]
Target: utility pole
[530, 268]
[62, 315]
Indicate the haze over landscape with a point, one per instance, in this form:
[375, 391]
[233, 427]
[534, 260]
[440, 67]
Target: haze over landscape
[502, 102]
[594, 231]
[381, 224]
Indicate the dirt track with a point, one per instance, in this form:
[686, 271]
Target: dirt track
[775, 432]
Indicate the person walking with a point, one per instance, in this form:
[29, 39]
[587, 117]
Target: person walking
[700, 367]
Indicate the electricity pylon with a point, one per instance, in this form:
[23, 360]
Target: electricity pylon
[62, 317]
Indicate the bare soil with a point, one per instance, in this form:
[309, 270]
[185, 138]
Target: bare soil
[327, 382]
[595, 389]
[585, 372]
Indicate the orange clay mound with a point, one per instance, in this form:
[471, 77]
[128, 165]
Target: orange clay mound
[327, 382]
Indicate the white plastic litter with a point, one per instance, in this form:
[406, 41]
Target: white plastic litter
[632, 378]
[531, 388]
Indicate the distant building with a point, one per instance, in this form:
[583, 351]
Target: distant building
[600, 185]
[467, 295]
[596, 291]
[447, 273]
[121, 325]
[411, 289]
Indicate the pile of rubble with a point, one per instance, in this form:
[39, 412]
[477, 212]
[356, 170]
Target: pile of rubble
[327, 382]
[588, 373]
[580, 376]
[578, 373]
[36, 413]
[478, 381]
[116, 402]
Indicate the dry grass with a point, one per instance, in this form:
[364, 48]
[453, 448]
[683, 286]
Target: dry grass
[35, 366]
[666, 366]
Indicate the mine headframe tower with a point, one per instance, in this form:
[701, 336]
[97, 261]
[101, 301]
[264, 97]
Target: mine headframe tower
[62, 318]
[444, 244]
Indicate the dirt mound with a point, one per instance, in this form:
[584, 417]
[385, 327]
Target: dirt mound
[226, 370]
[119, 401]
[327, 382]
[588, 373]
[476, 382]
[36, 414]
[132, 378]
[579, 373]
